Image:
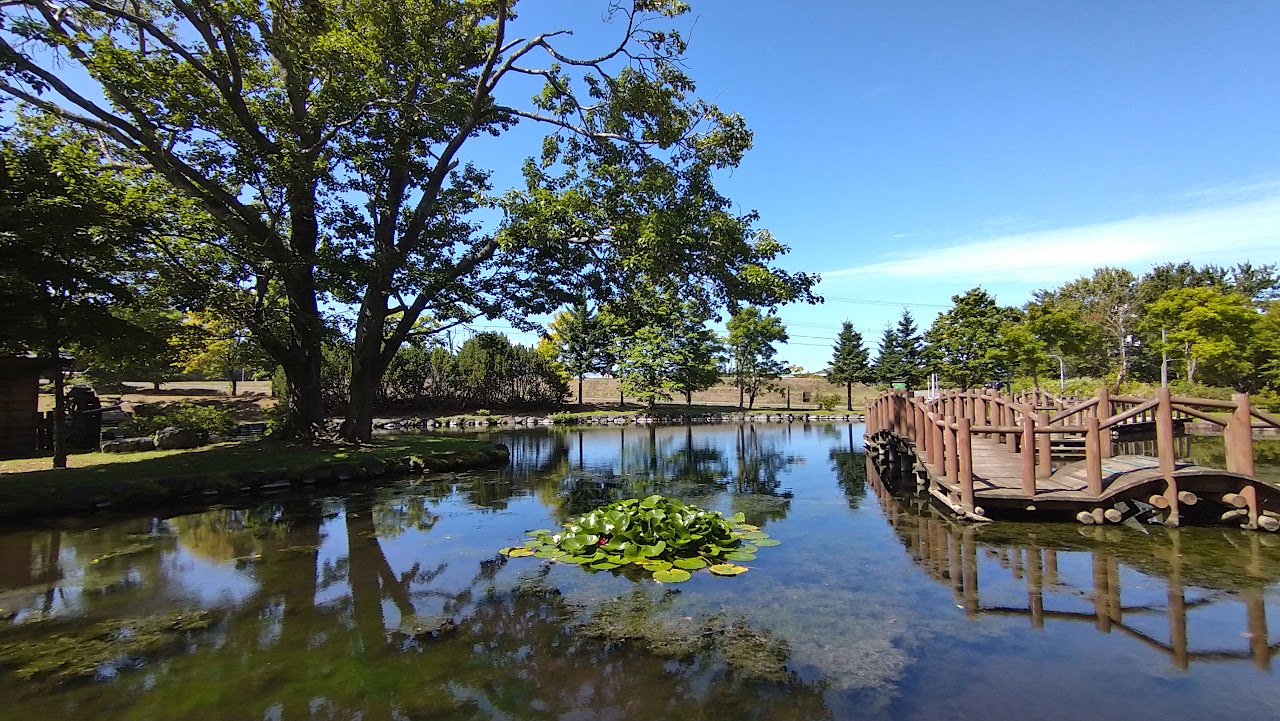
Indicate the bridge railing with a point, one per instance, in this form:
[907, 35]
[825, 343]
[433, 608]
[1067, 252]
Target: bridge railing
[942, 429]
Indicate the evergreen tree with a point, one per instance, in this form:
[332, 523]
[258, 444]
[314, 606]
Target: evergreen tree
[910, 350]
[888, 359]
[849, 361]
[582, 340]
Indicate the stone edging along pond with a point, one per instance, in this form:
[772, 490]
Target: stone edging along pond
[210, 488]
[606, 419]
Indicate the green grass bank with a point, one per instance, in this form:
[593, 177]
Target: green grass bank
[215, 473]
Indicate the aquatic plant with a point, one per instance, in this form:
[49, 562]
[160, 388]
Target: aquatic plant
[663, 536]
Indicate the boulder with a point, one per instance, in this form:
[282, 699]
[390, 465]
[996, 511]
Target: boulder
[173, 438]
[129, 445]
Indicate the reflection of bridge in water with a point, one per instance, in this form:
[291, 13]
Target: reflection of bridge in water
[953, 553]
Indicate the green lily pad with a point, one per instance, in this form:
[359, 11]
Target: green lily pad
[674, 575]
[516, 551]
[727, 569]
[604, 566]
[767, 542]
[689, 564]
[739, 556]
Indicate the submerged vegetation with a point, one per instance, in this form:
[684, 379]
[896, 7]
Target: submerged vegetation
[95, 650]
[663, 536]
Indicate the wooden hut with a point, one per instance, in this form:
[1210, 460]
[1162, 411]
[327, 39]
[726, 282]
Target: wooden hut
[20, 418]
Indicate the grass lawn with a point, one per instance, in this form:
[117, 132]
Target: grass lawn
[22, 476]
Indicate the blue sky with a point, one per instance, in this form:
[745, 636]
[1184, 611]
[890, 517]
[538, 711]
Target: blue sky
[911, 150]
[908, 150]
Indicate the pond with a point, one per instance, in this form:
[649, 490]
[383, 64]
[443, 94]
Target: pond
[394, 604]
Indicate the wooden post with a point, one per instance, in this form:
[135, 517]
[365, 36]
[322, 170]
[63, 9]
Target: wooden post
[1104, 412]
[1029, 454]
[964, 447]
[949, 443]
[1092, 457]
[1007, 419]
[921, 436]
[1239, 437]
[939, 444]
[1044, 468]
[1166, 453]
[909, 410]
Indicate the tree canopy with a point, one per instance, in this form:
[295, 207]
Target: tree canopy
[325, 144]
[849, 361]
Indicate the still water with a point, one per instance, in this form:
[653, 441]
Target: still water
[393, 604]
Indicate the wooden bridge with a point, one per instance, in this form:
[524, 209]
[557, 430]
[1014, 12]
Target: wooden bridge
[980, 451]
[957, 555]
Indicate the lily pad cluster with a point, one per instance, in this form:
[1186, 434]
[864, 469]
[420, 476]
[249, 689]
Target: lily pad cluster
[662, 536]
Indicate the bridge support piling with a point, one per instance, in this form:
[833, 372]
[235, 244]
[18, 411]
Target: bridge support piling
[1239, 437]
[1165, 451]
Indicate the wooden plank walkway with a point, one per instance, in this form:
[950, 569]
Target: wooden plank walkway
[997, 475]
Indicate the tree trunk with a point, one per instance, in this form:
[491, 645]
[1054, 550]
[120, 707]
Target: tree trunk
[688, 398]
[59, 428]
[622, 397]
[305, 415]
[741, 390]
[579, 389]
[848, 395]
[233, 384]
[155, 385]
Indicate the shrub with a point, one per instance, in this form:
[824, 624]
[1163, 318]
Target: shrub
[210, 419]
[827, 401]
[564, 418]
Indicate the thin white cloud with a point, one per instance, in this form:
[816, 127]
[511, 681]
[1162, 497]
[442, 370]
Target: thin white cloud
[1224, 233]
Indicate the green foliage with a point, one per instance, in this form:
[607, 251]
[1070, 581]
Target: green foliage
[1208, 328]
[751, 351]
[565, 418]
[850, 361]
[964, 341]
[583, 341]
[672, 351]
[73, 246]
[827, 401]
[327, 143]
[1019, 351]
[216, 347]
[148, 419]
[663, 536]
[901, 354]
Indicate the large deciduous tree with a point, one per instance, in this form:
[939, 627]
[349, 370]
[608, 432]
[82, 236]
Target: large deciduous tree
[69, 234]
[751, 351]
[329, 140]
[964, 341]
[1110, 302]
[849, 362]
[1209, 328]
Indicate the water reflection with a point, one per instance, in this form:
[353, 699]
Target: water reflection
[1205, 580]
[391, 603]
